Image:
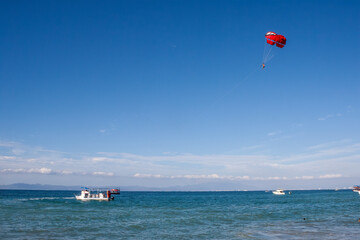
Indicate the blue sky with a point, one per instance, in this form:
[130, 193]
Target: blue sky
[163, 93]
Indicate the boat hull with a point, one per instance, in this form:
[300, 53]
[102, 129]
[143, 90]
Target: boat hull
[93, 198]
[278, 192]
[275, 193]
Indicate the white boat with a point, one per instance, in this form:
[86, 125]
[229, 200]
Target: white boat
[97, 194]
[278, 192]
[356, 189]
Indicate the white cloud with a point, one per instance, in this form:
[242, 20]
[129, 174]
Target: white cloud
[48, 171]
[101, 159]
[7, 157]
[31, 170]
[105, 174]
[305, 178]
[209, 176]
[277, 178]
[216, 176]
[329, 144]
[298, 125]
[254, 147]
[8, 144]
[330, 116]
[140, 175]
[66, 172]
[189, 176]
[330, 176]
[44, 170]
[340, 157]
[274, 133]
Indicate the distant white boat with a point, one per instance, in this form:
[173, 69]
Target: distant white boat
[97, 194]
[278, 192]
[356, 189]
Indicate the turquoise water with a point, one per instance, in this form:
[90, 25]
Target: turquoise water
[181, 215]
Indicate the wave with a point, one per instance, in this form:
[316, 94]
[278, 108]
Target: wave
[44, 198]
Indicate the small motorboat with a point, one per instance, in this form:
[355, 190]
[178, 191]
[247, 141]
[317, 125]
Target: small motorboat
[356, 189]
[278, 192]
[97, 194]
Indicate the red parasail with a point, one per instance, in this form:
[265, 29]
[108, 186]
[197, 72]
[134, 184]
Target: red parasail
[273, 38]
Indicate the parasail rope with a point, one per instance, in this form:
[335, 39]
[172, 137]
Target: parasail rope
[267, 54]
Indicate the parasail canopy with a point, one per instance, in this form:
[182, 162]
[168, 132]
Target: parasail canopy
[273, 38]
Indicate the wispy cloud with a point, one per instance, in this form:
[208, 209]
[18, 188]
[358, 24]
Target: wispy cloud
[7, 158]
[305, 178]
[330, 144]
[270, 134]
[218, 177]
[254, 147]
[106, 174]
[326, 176]
[338, 158]
[324, 118]
[349, 109]
[110, 129]
[31, 170]
[48, 171]
[330, 176]
[8, 144]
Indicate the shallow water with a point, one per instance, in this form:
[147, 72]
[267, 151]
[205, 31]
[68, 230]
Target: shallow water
[181, 215]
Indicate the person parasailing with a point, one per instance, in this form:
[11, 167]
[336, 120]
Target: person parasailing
[272, 40]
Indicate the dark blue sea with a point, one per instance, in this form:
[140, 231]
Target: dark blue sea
[181, 215]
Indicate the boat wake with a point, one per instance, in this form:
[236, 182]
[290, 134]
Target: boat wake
[44, 198]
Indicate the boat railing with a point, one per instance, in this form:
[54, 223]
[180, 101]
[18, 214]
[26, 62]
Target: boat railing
[102, 190]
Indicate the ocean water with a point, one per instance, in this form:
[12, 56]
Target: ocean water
[181, 215]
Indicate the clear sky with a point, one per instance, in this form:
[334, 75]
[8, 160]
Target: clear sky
[164, 93]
